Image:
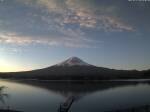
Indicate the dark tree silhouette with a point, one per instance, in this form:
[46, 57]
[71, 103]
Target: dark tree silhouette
[3, 95]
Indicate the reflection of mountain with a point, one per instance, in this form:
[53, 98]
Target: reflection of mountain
[76, 88]
[79, 91]
[76, 69]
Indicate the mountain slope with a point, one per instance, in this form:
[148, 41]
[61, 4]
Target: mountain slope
[76, 69]
[73, 61]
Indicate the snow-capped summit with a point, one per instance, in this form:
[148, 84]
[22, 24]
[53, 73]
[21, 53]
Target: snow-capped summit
[73, 61]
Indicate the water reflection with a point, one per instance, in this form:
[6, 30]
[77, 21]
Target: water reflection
[80, 89]
[3, 96]
[77, 88]
[35, 96]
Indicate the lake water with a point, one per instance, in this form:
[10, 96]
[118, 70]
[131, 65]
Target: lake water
[34, 96]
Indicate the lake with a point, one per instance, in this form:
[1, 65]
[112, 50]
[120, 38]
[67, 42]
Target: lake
[36, 96]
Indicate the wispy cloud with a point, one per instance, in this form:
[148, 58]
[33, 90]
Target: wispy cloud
[71, 38]
[59, 22]
[101, 17]
[84, 14]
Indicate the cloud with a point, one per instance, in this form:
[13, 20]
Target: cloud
[57, 22]
[82, 12]
[103, 17]
[114, 24]
[14, 38]
[71, 38]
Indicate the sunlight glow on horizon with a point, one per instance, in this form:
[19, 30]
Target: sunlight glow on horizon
[7, 66]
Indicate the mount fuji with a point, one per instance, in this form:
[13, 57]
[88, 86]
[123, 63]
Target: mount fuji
[73, 61]
[76, 69]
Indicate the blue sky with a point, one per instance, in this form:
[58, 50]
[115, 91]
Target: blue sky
[39, 33]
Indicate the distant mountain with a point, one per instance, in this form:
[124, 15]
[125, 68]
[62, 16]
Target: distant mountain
[76, 69]
[73, 61]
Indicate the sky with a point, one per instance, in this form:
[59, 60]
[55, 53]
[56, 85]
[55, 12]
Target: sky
[107, 33]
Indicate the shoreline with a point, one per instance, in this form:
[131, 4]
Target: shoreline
[112, 80]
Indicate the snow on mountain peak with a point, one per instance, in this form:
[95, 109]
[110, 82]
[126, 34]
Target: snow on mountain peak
[73, 61]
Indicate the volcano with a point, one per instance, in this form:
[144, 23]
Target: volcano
[76, 69]
[73, 61]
